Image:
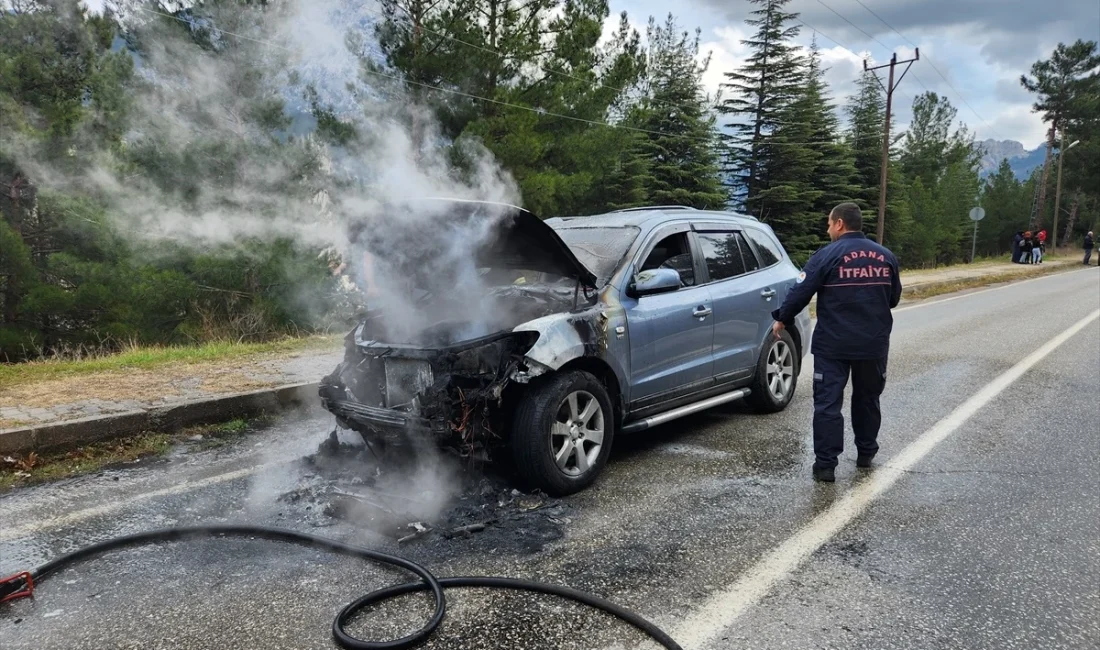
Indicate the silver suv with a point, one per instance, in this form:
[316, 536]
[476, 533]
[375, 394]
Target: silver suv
[614, 323]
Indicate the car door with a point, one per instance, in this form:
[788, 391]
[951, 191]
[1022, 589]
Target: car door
[742, 298]
[671, 334]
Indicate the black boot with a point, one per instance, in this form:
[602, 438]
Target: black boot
[863, 462]
[825, 474]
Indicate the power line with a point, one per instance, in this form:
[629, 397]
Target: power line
[937, 70]
[466, 95]
[840, 45]
[861, 30]
[497, 52]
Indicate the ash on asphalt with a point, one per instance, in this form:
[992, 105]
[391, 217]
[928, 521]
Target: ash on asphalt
[429, 503]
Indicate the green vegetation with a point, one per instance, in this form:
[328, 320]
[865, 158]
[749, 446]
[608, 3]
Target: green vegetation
[114, 151]
[95, 457]
[152, 357]
[88, 459]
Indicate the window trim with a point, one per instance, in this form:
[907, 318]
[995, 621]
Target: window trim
[650, 242]
[756, 252]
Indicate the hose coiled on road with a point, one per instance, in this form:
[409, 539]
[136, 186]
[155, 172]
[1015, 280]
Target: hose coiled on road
[428, 581]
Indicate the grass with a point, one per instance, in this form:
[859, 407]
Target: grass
[89, 459]
[153, 357]
[31, 469]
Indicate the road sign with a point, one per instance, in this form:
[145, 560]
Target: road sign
[976, 215]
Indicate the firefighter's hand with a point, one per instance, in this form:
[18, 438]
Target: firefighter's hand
[777, 329]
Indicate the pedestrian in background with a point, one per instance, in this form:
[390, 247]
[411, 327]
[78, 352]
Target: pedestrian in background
[1088, 247]
[1027, 247]
[1037, 249]
[857, 284]
[1017, 246]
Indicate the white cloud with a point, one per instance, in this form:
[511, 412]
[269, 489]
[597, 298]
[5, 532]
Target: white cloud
[981, 47]
[727, 53]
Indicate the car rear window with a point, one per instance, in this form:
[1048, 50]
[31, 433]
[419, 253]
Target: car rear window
[765, 247]
[726, 255]
[599, 248]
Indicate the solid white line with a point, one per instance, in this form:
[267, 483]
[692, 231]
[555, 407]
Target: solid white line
[928, 302]
[27, 530]
[724, 607]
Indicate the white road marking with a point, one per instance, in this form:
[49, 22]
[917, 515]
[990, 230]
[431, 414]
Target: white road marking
[724, 607]
[1008, 284]
[26, 530]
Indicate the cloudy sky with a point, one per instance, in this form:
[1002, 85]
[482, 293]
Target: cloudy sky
[981, 47]
[972, 51]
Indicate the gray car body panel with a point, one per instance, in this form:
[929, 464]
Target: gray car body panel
[654, 345]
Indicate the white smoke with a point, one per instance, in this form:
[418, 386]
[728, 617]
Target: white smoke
[360, 198]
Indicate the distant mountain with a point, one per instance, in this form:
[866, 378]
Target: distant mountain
[1021, 160]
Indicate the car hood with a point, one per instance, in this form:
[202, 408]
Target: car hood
[523, 241]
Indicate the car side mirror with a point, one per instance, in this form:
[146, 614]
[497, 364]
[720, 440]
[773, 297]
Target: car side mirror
[654, 281]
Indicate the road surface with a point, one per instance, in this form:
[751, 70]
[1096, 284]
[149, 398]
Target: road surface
[980, 528]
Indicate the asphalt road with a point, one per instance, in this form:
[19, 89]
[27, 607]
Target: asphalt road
[980, 528]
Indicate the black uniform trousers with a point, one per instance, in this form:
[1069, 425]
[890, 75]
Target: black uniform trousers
[830, 379]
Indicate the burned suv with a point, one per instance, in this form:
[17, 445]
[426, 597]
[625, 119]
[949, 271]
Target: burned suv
[495, 334]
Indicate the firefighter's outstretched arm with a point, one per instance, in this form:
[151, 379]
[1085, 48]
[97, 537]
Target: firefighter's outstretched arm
[800, 294]
[895, 285]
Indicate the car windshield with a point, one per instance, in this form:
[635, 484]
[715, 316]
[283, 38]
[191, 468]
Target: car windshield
[599, 248]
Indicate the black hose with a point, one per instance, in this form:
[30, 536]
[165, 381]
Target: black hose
[343, 639]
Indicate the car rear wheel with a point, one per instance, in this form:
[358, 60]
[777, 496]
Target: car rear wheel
[776, 375]
[562, 433]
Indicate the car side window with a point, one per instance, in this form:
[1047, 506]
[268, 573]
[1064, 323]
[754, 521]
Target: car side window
[672, 252]
[769, 254]
[726, 255]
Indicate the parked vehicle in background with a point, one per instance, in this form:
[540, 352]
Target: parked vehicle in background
[618, 322]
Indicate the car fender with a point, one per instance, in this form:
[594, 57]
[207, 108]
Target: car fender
[567, 337]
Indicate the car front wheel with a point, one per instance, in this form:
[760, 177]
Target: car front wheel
[562, 433]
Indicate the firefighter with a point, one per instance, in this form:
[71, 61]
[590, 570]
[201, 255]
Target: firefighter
[857, 284]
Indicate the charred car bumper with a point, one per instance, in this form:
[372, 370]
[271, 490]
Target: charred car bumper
[453, 393]
[354, 415]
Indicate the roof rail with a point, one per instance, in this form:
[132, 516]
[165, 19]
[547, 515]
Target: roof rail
[654, 207]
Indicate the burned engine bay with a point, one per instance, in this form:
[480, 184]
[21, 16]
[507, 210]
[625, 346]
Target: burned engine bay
[439, 352]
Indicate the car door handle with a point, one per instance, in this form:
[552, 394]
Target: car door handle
[702, 312]
[768, 293]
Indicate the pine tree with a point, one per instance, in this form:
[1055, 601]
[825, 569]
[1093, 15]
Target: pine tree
[760, 90]
[835, 174]
[1007, 204]
[680, 142]
[866, 113]
[1054, 80]
[628, 183]
[809, 170]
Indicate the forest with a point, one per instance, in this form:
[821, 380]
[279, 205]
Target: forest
[172, 174]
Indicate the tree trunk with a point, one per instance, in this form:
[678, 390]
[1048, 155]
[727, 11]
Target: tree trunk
[1072, 219]
[750, 184]
[1037, 222]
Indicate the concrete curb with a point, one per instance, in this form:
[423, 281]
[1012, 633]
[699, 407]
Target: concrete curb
[53, 436]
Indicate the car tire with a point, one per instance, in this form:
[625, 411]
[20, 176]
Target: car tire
[776, 377]
[562, 433]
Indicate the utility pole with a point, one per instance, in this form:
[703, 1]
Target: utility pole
[1062, 149]
[889, 88]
